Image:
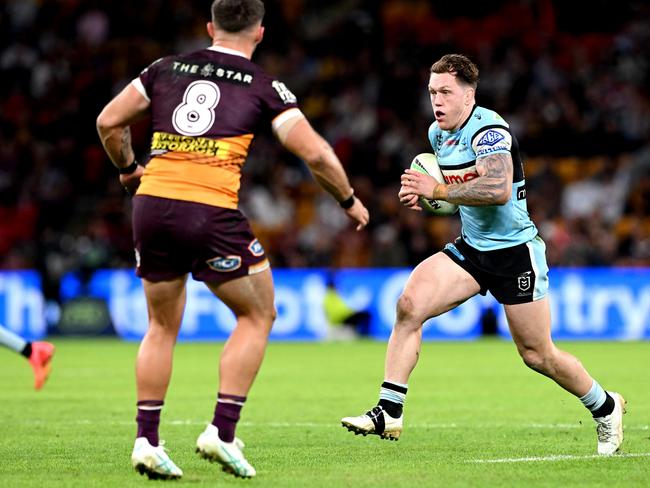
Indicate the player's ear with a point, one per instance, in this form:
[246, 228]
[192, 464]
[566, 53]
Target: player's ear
[259, 35]
[210, 28]
[469, 96]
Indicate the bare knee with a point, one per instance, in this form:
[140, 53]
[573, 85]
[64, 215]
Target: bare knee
[261, 319]
[540, 360]
[407, 313]
[162, 331]
[532, 358]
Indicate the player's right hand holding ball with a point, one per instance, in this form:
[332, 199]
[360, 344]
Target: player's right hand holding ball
[408, 198]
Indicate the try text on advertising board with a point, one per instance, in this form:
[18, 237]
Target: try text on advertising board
[587, 303]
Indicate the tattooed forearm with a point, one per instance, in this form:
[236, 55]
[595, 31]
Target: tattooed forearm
[117, 142]
[125, 147]
[492, 187]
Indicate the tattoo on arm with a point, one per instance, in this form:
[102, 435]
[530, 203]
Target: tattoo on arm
[492, 187]
[125, 146]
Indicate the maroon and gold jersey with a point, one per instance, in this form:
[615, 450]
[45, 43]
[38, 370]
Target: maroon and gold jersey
[206, 107]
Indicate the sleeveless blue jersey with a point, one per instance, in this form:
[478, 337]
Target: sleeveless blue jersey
[491, 227]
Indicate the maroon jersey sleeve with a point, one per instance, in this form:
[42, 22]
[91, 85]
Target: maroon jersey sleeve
[276, 97]
[148, 76]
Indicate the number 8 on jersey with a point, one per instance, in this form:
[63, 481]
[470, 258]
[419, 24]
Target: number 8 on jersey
[194, 116]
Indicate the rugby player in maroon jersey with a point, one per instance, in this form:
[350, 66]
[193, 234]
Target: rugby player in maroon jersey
[206, 106]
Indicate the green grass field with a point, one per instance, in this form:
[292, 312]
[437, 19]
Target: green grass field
[475, 416]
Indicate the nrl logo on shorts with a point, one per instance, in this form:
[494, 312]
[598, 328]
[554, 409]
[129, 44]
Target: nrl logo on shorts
[256, 248]
[229, 263]
[523, 281]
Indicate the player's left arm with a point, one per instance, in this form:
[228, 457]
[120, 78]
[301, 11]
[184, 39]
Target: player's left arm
[492, 187]
[323, 163]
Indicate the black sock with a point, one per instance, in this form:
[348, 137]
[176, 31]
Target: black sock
[393, 409]
[27, 350]
[606, 408]
[391, 398]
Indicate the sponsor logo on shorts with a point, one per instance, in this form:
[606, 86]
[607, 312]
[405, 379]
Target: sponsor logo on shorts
[225, 264]
[490, 138]
[137, 258]
[454, 250]
[524, 281]
[256, 248]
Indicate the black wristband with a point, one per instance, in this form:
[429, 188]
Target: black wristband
[345, 204]
[128, 169]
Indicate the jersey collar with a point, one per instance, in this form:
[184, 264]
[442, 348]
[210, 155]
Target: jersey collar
[227, 50]
[467, 119]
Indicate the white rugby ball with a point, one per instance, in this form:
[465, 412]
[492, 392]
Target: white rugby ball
[427, 163]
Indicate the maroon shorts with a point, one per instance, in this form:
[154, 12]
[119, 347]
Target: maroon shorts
[174, 237]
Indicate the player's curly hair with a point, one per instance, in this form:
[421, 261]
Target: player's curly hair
[458, 65]
[237, 15]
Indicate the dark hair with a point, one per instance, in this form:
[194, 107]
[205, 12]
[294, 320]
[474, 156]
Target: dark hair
[458, 65]
[237, 15]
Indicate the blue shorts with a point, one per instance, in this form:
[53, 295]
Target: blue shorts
[517, 274]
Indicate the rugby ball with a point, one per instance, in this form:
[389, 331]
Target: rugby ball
[427, 163]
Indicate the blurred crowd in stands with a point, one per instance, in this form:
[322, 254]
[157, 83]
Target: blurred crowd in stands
[575, 92]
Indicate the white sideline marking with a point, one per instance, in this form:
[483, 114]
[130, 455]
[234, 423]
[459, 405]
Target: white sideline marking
[557, 457]
[284, 425]
[335, 423]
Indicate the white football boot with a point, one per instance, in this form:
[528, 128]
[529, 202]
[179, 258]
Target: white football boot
[375, 421]
[228, 454]
[153, 461]
[610, 427]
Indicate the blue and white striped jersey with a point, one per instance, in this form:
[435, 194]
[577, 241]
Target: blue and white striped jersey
[485, 132]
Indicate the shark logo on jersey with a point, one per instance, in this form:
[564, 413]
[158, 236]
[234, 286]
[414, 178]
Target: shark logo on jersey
[490, 138]
[523, 281]
[228, 263]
